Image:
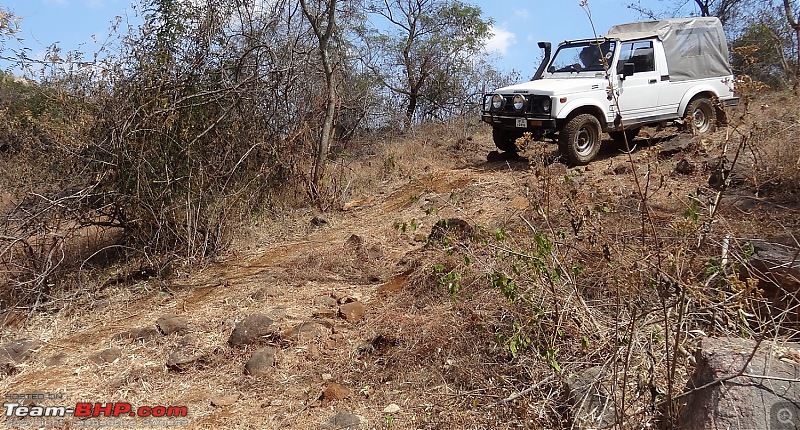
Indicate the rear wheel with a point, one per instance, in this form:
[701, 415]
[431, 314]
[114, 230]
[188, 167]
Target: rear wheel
[579, 140]
[621, 136]
[702, 115]
[505, 140]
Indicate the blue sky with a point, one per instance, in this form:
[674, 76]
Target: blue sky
[518, 24]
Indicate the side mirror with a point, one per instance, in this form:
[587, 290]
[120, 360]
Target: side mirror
[628, 69]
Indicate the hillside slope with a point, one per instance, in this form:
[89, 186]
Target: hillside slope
[431, 349]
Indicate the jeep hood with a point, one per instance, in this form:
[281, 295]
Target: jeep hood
[556, 86]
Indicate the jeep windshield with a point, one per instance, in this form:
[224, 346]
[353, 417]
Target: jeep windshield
[583, 56]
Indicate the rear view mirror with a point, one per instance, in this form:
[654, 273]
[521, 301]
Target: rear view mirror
[628, 69]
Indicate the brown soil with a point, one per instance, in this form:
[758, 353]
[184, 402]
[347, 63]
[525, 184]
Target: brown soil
[373, 252]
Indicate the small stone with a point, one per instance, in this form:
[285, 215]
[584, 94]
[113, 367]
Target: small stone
[326, 313]
[355, 241]
[183, 358]
[313, 352]
[375, 252]
[169, 324]
[684, 167]
[622, 169]
[143, 334]
[260, 362]
[18, 350]
[334, 392]
[252, 329]
[325, 301]
[352, 312]
[224, 400]
[56, 360]
[392, 409]
[106, 356]
[305, 331]
[344, 420]
[266, 293]
[327, 376]
[318, 221]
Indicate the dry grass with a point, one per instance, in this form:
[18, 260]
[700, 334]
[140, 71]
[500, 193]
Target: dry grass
[568, 269]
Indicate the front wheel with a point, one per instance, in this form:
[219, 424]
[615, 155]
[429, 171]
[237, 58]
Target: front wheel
[702, 115]
[579, 140]
[505, 140]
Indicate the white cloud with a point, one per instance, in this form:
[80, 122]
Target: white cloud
[500, 40]
[522, 13]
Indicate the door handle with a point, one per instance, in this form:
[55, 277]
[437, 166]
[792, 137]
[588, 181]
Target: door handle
[652, 81]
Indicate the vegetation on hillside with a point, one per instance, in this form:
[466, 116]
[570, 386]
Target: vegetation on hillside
[215, 114]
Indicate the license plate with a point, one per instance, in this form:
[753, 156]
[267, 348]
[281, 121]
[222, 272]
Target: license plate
[522, 122]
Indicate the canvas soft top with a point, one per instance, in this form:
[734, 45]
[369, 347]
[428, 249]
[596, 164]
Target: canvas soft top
[695, 47]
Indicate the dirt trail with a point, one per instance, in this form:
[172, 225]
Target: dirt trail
[287, 279]
[298, 274]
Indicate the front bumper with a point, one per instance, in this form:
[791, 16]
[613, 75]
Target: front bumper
[520, 123]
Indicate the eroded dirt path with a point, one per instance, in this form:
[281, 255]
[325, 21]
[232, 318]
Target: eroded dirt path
[298, 275]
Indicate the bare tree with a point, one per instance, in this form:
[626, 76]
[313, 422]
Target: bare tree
[789, 8]
[424, 38]
[725, 10]
[323, 23]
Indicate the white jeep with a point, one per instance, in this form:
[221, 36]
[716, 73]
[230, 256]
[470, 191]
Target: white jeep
[637, 74]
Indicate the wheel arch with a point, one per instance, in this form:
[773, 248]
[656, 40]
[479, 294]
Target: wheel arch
[703, 91]
[574, 109]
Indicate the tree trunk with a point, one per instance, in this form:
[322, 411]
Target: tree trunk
[787, 8]
[413, 99]
[324, 36]
[327, 132]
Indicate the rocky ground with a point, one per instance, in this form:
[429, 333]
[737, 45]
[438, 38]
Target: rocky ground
[323, 320]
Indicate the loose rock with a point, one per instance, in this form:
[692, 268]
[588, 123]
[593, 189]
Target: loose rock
[266, 293]
[352, 312]
[143, 334]
[318, 221]
[260, 362]
[742, 402]
[334, 392]
[224, 400]
[592, 406]
[326, 313]
[106, 356]
[344, 420]
[183, 358]
[169, 324]
[18, 350]
[306, 331]
[684, 167]
[252, 329]
[392, 409]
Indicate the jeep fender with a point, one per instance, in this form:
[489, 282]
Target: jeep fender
[692, 93]
[582, 105]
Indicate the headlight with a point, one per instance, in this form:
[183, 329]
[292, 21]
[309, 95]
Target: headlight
[519, 102]
[546, 105]
[497, 101]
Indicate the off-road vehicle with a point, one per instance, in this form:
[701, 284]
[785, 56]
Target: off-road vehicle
[637, 74]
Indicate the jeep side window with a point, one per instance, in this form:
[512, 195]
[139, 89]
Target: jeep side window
[640, 54]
